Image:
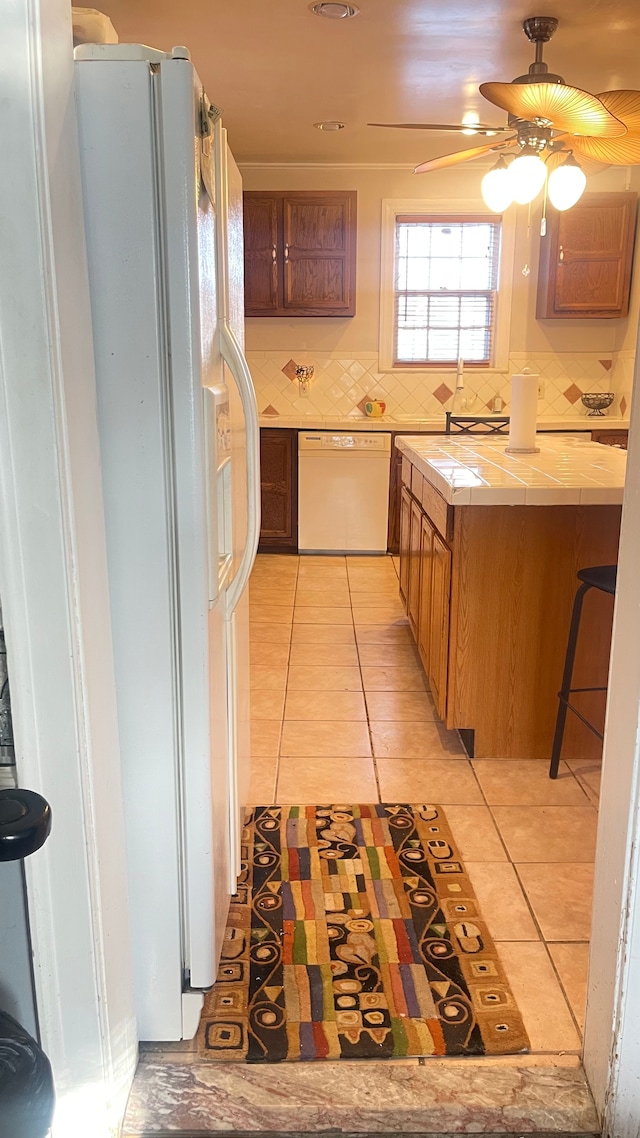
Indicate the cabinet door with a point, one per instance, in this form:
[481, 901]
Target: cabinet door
[279, 485]
[319, 254]
[413, 595]
[611, 438]
[426, 585]
[586, 258]
[260, 254]
[405, 533]
[439, 626]
[395, 492]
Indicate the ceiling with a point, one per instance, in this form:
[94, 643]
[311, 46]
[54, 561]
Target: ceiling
[275, 68]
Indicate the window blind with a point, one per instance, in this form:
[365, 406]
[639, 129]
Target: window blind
[446, 279]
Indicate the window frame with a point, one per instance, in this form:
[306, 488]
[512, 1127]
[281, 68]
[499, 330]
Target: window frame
[453, 210]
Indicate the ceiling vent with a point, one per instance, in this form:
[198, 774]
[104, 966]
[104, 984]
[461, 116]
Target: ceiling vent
[334, 11]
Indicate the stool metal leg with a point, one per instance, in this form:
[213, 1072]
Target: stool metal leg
[563, 694]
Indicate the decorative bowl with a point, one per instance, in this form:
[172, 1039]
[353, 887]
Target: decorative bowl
[597, 401]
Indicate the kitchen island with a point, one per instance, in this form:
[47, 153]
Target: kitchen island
[279, 461]
[490, 545]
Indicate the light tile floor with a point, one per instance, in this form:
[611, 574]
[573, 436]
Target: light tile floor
[341, 712]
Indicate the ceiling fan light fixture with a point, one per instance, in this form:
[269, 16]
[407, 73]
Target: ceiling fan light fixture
[334, 11]
[566, 184]
[527, 174]
[496, 187]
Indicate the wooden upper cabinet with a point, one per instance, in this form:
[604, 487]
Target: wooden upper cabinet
[260, 254]
[319, 248]
[300, 253]
[586, 258]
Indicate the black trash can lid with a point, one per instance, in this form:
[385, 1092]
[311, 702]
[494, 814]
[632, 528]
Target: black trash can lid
[25, 823]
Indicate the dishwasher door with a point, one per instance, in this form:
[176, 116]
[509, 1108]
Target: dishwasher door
[343, 491]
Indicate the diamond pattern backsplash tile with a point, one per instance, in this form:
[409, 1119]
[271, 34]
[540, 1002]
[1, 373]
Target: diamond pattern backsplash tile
[573, 393]
[443, 393]
[341, 385]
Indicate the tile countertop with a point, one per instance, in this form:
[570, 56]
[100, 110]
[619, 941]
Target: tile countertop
[404, 423]
[478, 472]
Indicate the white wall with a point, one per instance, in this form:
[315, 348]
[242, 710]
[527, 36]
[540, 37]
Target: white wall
[563, 351]
[360, 333]
[612, 1030]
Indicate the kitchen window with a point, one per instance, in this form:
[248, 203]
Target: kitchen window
[445, 290]
[446, 281]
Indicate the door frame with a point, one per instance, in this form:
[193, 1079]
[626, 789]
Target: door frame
[612, 1033]
[53, 582]
[53, 585]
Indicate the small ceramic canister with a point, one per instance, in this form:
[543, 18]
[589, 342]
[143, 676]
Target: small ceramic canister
[375, 408]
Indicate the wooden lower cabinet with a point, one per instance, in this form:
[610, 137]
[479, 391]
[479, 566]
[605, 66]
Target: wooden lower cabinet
[439, 634]
[489, 592]
[424, 617]
[611, 438]
[433, 617]
[279, 490]
[413, 583]
[395, 493]
[405, 533]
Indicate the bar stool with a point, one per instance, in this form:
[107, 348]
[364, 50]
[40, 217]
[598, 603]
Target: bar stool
[601, 577]
[475, 424]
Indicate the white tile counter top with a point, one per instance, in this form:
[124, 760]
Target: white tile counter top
[406, 424]
[476, 471]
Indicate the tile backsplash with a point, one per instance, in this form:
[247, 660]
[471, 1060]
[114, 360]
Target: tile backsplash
[341, 385]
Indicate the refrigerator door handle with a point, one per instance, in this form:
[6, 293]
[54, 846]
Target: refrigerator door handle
[234, 358]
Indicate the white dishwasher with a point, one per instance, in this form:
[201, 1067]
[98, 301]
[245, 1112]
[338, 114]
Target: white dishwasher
[343, 491]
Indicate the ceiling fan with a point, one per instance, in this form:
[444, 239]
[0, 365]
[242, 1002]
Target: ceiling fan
[551, 127]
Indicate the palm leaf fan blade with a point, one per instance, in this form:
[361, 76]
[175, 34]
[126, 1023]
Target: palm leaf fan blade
[567, 108]
[613, 151]
[625, 105]
[461, 156]
[455, 128]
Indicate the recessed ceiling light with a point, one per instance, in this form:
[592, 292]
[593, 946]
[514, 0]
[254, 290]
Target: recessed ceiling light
[334, 11]
[331, 125]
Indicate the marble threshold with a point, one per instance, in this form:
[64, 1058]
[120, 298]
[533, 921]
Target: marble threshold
[435, 424]
[478, 470]
[435, 1098]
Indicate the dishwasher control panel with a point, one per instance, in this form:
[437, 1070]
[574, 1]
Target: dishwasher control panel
[379, 443]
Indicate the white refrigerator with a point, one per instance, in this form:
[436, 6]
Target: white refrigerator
[180, 462]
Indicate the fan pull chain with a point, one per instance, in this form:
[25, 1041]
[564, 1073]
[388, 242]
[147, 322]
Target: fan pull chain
[526, 271]
[543, 219]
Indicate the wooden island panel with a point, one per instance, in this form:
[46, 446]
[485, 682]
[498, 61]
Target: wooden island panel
[489, 592]
[513, 584]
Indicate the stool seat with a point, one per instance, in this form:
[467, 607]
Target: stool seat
[600, 577]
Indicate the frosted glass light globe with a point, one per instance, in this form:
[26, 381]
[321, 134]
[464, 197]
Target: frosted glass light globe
[496, 187]
[566, 184]
[527, 177]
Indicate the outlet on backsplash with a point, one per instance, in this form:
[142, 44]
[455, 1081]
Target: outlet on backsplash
[541, 389]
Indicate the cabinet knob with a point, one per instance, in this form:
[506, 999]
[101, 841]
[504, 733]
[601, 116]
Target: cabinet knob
[274, 253]
[286, 253]
[561, 254]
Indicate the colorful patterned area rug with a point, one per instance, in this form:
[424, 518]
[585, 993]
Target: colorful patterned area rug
[355, 934]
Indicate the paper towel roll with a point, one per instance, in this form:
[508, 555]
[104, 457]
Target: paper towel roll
[523, 414]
